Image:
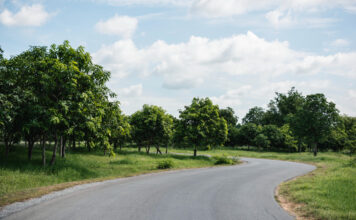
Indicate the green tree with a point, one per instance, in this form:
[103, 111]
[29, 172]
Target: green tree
[247, 133]
[261, 141]
[255, 115]
[202, 124]
[316, 119]
[151, 126]
[231, 119]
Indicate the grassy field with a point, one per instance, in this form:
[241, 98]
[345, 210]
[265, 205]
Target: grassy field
[329, 192]
[21, 179]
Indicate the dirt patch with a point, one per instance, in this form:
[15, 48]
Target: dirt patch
[294, 209]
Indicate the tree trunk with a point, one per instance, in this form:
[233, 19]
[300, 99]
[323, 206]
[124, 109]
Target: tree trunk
[43, 151]
[54, 150]
[63, 151]
[315, 149]
[30, 148]
[158, 150]
[60, 146]
[195, 151]
[148, 149]
[139, 148]
[167, 149]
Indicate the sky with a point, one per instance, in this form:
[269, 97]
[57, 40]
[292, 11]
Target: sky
[165, 52]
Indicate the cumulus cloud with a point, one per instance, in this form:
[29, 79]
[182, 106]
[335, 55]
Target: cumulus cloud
[189, 64]
[122, 26]
[34, 15]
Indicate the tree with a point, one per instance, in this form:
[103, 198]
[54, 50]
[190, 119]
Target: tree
[316, 119]
[261, 141]
[231, 119]
[247, 133]
[255, 115]
[202, 124]
[151, 127]
[10, 98]
[284, 106]
[274, 135]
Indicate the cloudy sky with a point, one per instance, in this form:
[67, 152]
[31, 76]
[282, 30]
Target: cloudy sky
[165, 52]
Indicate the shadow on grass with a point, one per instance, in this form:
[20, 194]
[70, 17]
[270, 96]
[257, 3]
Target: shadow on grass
[17, 161]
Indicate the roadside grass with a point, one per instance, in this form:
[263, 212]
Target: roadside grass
[21, 179]
[329, 192]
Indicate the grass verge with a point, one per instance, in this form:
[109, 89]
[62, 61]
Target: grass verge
[329, 192]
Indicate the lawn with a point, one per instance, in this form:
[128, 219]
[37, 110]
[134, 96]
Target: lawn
[329, 192]
[21, 179]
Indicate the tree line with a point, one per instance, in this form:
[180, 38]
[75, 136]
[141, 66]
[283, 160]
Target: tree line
[58, 95]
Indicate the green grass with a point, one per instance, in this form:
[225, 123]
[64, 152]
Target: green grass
[329, 192]
[21, 179]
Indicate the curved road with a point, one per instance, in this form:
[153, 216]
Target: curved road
[233, 192]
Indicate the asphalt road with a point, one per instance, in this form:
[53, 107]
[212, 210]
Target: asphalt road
[234, 192]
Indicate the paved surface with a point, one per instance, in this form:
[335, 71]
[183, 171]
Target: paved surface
[234, 192]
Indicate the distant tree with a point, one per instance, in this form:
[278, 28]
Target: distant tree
[231, 119]
[350, 130]
[261, 141]
[151, 127]
[202, 124]
[229, 115]
[255, 115]
[316, 119]
[247, 133]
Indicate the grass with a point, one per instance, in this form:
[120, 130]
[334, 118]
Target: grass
[329, 192]
[21, 179]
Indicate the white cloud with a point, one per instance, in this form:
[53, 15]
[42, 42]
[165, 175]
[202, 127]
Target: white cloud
[189, 64]
[279, 18]
[340, 43]
[34, 15]
[241, 69]
[131, 91]
[123, 26]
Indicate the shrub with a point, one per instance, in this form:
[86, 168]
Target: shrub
[225, 160]
[165, 164]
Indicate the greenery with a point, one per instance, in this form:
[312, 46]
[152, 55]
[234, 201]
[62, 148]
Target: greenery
[225, 160]
[326, 193]
[200, 125]
[165, 164]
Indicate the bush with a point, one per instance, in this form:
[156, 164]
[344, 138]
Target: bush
[225, 160]
[165, 164]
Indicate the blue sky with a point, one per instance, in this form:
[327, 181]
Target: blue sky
[165, 52]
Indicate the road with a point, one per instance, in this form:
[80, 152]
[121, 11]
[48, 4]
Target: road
[232, 192]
